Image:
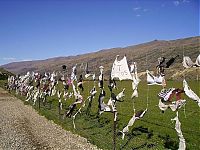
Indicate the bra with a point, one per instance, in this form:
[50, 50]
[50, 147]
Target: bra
[188, 63]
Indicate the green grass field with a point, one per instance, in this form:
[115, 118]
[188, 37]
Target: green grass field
[154, 131]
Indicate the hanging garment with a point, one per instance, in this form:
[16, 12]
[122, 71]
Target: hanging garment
[173, 106]
[36, 96]
[135, 79]
[80, 83]
[136, 116]
[78, 100]
[87, 72]
[86, 68]
[135, 87]
[187, 62]
[161, 61]
[100, 84]
[66, 86]
[171, 61]
[93, 92]
[152, 80]
[87, 75]
[102, 106]
[133, 71]
[64, 67]
[168, 94]
[93, 77]
[112, 101]
[162, 106]
[198, 61]
[59, 99]
[160, 66]
[120, 70]
[135, 91]
[53, 91]
[182, 145]
[65, 95]
[74, 73]
[111, 84]
[190, 93]
[90, 98]
[164, 84]
[76, 91]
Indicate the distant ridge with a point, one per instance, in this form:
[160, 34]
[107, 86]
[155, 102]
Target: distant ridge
[145, 54]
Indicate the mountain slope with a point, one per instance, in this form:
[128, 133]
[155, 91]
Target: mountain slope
[4, 74]
[145, 55]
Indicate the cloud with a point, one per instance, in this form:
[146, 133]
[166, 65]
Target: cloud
[176, 3]
[140, 11]
[186, 1]
[26, 60]
[136, 8]
[9, 58]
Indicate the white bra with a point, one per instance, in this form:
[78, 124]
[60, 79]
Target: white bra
[154, 80]
[188, 63]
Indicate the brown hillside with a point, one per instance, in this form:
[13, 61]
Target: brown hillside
[145, 55]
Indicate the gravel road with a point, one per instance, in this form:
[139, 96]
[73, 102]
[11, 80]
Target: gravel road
[22, 128]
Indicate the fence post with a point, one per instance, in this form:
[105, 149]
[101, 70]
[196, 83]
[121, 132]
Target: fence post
[59, 109]
[114, 130]
[39, 103]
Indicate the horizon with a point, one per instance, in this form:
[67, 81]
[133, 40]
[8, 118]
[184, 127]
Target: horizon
[95, 51]
[39, 30]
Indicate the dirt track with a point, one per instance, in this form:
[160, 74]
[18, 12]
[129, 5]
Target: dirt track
[22, 128]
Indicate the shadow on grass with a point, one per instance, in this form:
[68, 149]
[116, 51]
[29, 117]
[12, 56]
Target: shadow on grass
[137, 132]
[169, 143]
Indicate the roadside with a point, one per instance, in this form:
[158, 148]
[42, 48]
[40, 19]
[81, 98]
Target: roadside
[21, 127]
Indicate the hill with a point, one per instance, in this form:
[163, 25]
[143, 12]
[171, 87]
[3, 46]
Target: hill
[145, 55]
[4, 74]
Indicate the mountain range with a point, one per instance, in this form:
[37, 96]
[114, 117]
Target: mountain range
[146, 55]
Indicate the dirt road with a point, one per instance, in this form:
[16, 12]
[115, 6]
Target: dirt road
[22, 128]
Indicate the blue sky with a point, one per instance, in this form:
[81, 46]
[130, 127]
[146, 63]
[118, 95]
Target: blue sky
[41, 29]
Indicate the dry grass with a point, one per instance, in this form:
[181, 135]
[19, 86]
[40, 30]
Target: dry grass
[145, 55]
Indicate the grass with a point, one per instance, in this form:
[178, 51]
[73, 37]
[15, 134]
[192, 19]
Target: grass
[154, 131]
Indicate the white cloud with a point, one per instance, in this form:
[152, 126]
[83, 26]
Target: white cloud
[176, 3]
[9, 58]
[140, 11]
[26, 60]
[136, 8]
[186, 1]
[145, 10]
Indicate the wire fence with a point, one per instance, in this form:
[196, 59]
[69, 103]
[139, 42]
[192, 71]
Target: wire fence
[153, 131]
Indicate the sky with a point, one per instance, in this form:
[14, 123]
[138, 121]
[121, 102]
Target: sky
[41, 29]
